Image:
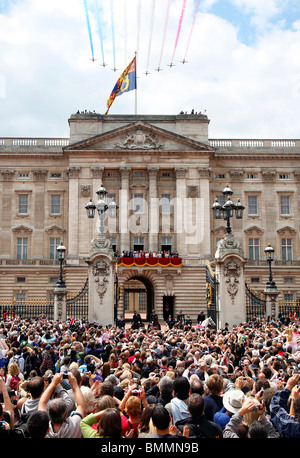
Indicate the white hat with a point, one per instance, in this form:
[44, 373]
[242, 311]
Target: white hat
[232, 400]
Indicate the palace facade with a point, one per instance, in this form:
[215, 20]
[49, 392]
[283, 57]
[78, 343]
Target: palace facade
[164, 173]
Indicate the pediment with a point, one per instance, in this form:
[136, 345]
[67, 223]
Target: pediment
[254, 230]
[22, 228]
[139, 136]
[54, 228]
[286, 230]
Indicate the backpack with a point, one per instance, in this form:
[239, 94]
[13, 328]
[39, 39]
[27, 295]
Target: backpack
[14, 382]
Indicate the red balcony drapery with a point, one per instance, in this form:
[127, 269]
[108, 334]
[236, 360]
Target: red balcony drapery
[151, 262]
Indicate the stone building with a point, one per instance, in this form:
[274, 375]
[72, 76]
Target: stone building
[164, 172]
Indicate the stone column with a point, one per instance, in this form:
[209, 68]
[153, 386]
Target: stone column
[179, 210]
[229, 260]
[73, 174]
[153, 209]
[39, 177]
[271, 295]
[101, 281]
[204, 174]
[124, 209]
[6, 244]
[60, 303]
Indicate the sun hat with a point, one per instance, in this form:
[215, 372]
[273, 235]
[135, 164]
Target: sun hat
[232, 400]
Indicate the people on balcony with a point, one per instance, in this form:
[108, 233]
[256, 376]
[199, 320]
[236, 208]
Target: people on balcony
[149, 254]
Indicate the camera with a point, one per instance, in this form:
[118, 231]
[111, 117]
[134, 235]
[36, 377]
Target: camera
[2, 424]
[136, 392]
[66, 376]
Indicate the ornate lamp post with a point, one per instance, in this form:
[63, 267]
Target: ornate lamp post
[61, 250]
[227, 210]
[101, 207]
[101, 262]
[270, 258]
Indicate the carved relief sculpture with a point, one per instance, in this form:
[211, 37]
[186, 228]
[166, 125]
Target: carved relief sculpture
[232, 271]
[101, 274]
[139, 140]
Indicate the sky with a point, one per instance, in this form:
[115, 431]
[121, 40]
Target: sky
[242, 64]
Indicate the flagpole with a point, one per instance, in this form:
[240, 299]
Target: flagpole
[135, 101]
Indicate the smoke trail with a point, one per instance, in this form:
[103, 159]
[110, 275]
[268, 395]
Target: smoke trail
[88, 25]
[151, 32]
[113, 30]
[99, 28]
[138, 12]
[165, 31]
[192, 27]
[179, 28]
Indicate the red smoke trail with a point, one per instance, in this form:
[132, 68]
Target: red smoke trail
[179, 28]
[192, 28]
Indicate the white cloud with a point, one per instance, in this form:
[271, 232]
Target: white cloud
[248, 91]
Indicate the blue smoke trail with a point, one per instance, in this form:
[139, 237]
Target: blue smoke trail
[113, 30]
[99, 27]
[88, 25]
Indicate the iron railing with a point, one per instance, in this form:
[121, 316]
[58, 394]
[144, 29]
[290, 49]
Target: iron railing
[255, 304]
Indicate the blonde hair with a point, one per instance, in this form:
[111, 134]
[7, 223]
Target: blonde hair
[13, 369]
[248, 418]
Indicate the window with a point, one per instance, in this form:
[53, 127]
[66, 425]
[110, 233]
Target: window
[126, 300]
[138, 174]
[284, 176]
[23, 203]
[284, 205]
[22, 248]
[54, 243]
[286, 249]
[288, 297]
[166, 243]
[166, 174]
[254, 249]
[138, 244]
[112, 211]
[255, 280]
[288, 281]
[138, 203]
[114, 243]
[221, 199]
[20, 298]
[55, 175]
[55, 204]
[166, 204]
[23, 175]
[252, 205]
[220, 176]
[142, 301]
[252, 176]
[21, 280]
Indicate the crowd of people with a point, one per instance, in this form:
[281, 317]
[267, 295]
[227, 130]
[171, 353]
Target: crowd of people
[77, 379]
[149, 254]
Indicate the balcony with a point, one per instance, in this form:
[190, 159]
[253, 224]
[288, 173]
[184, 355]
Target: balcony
[149, 261]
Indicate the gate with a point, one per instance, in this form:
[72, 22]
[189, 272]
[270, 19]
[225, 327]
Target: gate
[78, 306]
[211, 292]
[255, 304]
[31, 309]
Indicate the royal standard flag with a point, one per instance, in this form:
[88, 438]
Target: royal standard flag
[126, 83]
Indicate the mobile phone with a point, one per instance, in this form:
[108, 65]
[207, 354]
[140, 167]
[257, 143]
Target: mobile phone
[136, 392]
